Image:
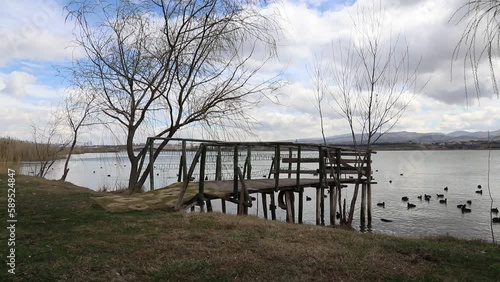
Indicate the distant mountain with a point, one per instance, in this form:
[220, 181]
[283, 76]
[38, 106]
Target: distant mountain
[413, 137]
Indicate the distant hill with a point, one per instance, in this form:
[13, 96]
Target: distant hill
[413, 137]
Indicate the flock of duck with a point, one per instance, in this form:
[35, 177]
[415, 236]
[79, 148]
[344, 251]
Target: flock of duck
[465, 208]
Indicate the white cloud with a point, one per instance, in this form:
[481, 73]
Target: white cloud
[16, 82]
[34, 30]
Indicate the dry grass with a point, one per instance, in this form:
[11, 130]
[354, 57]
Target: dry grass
[64, 236]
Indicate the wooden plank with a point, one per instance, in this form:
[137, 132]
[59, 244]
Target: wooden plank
[302, 160]
[309, 171]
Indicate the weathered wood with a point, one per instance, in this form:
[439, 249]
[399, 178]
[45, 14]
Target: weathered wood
[363, 205]
[249, 163]
[289, 206]
[302, 160]
[369, 199]
[301, 204]
[290, 164]
[201, 184]
[187, 179]
[299, 160]
[332, 205]
[218, 164]
[308, 171]
[223, 205]
[273, 206]
[151, 164]
[264, 204]
[209, 205]
[277, 168]
[318, 205]
[235, 174]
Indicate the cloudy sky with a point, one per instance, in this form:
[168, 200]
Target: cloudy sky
[36, 38]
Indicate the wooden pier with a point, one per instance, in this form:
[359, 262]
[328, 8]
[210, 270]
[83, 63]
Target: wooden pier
[324, 168]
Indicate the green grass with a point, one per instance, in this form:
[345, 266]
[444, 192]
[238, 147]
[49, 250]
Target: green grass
[62, 235]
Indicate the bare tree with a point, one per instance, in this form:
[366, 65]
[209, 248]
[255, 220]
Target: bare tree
[172, 64]
[479, 43]
[49, 144]
[79, 111]
[373, 80]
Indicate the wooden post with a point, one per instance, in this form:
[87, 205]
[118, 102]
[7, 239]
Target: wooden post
[273, 206]
[321, 181]
[218, 165]
[318, 205]
[297, 177]
[151, 164]
[277, 168]
[209, 205]
[369, 189]
[264, 204]
[290, 163]
[363, 206]
[289, 207]
[235, 174]
[332, 205]
[301, 204]
[201, 183]
[223, 204]
[249, 163]
[369, 196]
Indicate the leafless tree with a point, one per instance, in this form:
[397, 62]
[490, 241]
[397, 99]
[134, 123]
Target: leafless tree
[480, 42]
[49, 144]
[170, 64]
[373, 81]
[79, 111]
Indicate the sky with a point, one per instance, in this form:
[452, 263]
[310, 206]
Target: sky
[36, 38]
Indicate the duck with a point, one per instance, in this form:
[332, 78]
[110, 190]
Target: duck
[465, 210]
[461, 206]
[440, 195]
[495, 210]
[109, 175]
[411, 205]
[385, 220]
[401, 174]
[446, 188]
[469, 202]
[404, 198]
[479, 186]
[443, 201]
[479, 192]
[496, 219]
[427, 197]
[419, 197]
[390, 181]
[308, 198]
[381, 204]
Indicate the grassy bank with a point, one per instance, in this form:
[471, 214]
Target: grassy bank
[62, 235]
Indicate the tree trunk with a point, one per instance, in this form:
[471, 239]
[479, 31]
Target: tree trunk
[66, 169]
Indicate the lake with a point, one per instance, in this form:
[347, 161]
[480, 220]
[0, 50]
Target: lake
[412, 173]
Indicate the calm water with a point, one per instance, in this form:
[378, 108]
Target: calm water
[423, 172]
